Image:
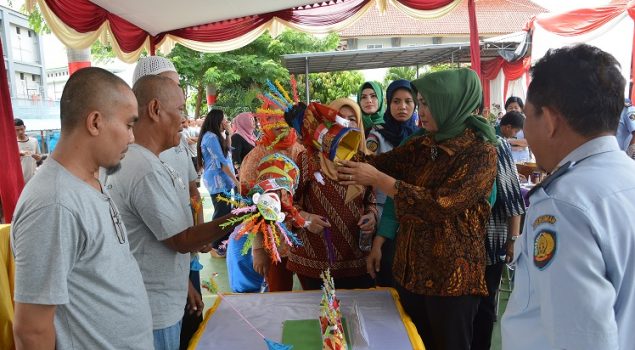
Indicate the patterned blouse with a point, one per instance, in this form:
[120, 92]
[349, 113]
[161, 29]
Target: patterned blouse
[214, 177]
[509, 202]
[441, 204]
[327, 200]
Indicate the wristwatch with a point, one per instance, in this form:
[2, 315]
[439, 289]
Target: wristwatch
[514, 237]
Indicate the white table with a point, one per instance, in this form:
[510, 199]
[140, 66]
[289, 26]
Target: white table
[387, 325]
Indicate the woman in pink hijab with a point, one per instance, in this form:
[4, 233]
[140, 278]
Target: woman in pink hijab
[243, 139]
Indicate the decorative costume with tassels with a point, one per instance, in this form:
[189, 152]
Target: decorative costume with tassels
[265, 206]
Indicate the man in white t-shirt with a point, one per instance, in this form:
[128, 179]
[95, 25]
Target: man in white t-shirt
[192, 132]
[29, 150]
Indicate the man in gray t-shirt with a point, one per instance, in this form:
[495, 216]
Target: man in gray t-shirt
[152, 198]
[77, 285]
[155, 208]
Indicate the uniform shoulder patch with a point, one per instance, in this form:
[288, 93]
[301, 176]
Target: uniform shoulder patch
[545, 247]
[544, 219]
[372, 145]
[631, 116]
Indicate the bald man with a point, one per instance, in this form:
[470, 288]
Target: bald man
[77, 285]
[155, 207]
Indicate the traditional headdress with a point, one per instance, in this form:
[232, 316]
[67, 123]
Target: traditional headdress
[266, 204]
[324, 130]
[271, 115]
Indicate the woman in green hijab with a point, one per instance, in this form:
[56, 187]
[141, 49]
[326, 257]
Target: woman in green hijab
[440, 182]
[370, 99]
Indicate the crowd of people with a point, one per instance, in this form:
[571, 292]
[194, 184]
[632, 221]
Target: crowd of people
[428, 201]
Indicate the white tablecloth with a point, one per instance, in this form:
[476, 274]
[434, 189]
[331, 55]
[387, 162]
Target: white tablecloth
[387, 327]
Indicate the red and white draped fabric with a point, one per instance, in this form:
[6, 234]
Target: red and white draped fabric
[11, 180]
[78, 23]
[502, 79]
[610, 28]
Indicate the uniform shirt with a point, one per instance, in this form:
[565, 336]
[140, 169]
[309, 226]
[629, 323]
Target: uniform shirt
[29, 165]
[575, 272]
[70, 252]
[150, 196]
[376, 143]
[626, 127]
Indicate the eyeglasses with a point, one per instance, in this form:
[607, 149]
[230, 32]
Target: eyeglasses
[116, 220]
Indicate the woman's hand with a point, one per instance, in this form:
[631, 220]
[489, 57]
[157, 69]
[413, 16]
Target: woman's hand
[373, 259]
[367, 223]
[316, 223]
[355, 173]
[261, 261]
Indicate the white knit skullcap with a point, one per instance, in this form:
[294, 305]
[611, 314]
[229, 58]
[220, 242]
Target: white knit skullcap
[151, 65]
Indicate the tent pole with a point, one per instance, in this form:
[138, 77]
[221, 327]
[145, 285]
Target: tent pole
[306, 79]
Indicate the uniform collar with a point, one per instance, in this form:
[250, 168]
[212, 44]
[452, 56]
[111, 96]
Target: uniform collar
[595, 146]
[590, 148]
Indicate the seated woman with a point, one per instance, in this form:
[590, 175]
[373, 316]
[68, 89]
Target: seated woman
[440, 183]
[337, 213]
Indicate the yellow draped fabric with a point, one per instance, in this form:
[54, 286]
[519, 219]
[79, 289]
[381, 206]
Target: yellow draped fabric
[73, 39]
[6, 289]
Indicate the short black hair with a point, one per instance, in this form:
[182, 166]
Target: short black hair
[87, 89]
[18, 122]
[513, 118]
[513, 99]
[584, 84]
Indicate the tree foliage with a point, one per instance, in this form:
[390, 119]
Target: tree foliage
[240, 74]
[326, 87]
[396, 73]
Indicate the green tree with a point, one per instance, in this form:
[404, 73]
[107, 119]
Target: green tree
[240, 74]
[326, 87]
[396, 73]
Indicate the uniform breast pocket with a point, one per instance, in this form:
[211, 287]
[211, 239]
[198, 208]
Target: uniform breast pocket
[519, 300]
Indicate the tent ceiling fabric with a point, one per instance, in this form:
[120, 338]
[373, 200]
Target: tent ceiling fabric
[134, 26]
[391, 57]
[150, 15]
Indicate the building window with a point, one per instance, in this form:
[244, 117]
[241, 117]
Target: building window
[33, 78]
[374, 46]
[29, 33]
[17, 30]
[21, 76]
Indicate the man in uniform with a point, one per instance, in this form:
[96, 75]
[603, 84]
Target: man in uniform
[575, 272]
